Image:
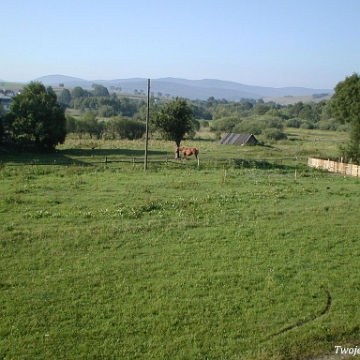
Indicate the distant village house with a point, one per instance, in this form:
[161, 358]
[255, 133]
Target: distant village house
[6, 98]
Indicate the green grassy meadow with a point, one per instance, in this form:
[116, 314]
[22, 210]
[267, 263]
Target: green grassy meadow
[251, 255]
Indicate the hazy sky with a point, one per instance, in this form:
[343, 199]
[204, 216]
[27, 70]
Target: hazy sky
[311, 43]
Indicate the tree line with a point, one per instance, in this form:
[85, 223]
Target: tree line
[38, 121]
[38, 116]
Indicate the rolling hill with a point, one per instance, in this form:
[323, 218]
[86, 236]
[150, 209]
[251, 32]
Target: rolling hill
[192, 89]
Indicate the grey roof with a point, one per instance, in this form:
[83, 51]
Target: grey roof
[238, 139]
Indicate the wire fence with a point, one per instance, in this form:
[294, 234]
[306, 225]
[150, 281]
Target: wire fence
[136, 161]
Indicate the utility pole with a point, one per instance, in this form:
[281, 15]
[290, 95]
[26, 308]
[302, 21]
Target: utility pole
[147, 126]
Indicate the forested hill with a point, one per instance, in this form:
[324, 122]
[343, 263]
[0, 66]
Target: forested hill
[192, 89]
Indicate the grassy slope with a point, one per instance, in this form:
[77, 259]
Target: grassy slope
[284, 100]
[180, 262]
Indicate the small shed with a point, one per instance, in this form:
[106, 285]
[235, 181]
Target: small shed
[238, 139]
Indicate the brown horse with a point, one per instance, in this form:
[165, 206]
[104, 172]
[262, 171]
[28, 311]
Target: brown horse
[186, 152]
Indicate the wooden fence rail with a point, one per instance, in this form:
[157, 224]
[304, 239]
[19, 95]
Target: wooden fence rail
[334, 166]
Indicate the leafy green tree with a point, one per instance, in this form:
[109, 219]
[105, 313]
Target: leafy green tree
[71, 124]
[250, 126]
[274, 122]
[78, 92]
[274, 134]
[247, 105]
[90, 124]
[64, 97]
[326, 111]
[274, 112]
[200, 112]
[36, 117]
[2, 113]
[294, 110]
[261, 109]
[106, 111]
[2, 110]
[175, 120]
[306, 112]
[293, 123]
[111, 126]
[49, 89]
[126, 128]
[128, 107]
[132, 129]
[225, 124]
[100, 90]
[2, 132]
[346, 108]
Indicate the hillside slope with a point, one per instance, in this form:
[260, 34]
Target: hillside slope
[192, 89]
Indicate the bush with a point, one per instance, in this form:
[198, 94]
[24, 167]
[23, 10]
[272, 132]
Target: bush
[275, 123]
[126, 128]
[90, 124]
[307, 125]
[344, 128]
[106, 111]
[330, 124]
[293, 123]
[250, 127]
[204, 123]
[2, 131]
[274, 134]
[274, 112]
[225, 124]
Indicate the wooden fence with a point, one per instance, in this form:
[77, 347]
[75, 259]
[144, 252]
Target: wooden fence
[334, 166]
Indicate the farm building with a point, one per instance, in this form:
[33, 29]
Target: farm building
[238, 139]
[6, 102]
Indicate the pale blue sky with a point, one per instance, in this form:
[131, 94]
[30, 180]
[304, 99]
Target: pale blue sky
[311, 43]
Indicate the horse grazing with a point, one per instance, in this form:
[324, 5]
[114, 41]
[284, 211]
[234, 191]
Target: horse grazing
[187, 152]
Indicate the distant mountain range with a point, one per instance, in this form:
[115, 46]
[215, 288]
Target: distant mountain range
[192, 89]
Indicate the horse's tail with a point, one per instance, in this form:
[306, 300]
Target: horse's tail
[196, 153]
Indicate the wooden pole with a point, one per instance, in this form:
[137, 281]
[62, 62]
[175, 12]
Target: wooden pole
[147, 126]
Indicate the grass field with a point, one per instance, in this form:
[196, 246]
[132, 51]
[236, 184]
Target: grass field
[287, 100]
[251, 255]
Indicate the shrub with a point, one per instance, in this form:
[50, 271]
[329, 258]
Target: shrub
[330, 124]
[307, 125]
[204, 123]
[226, 124]
[274, 134]
[250, 127]
[293, 123]
[344, 128]
[106, 111]
[275, 123]
[127, 128]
